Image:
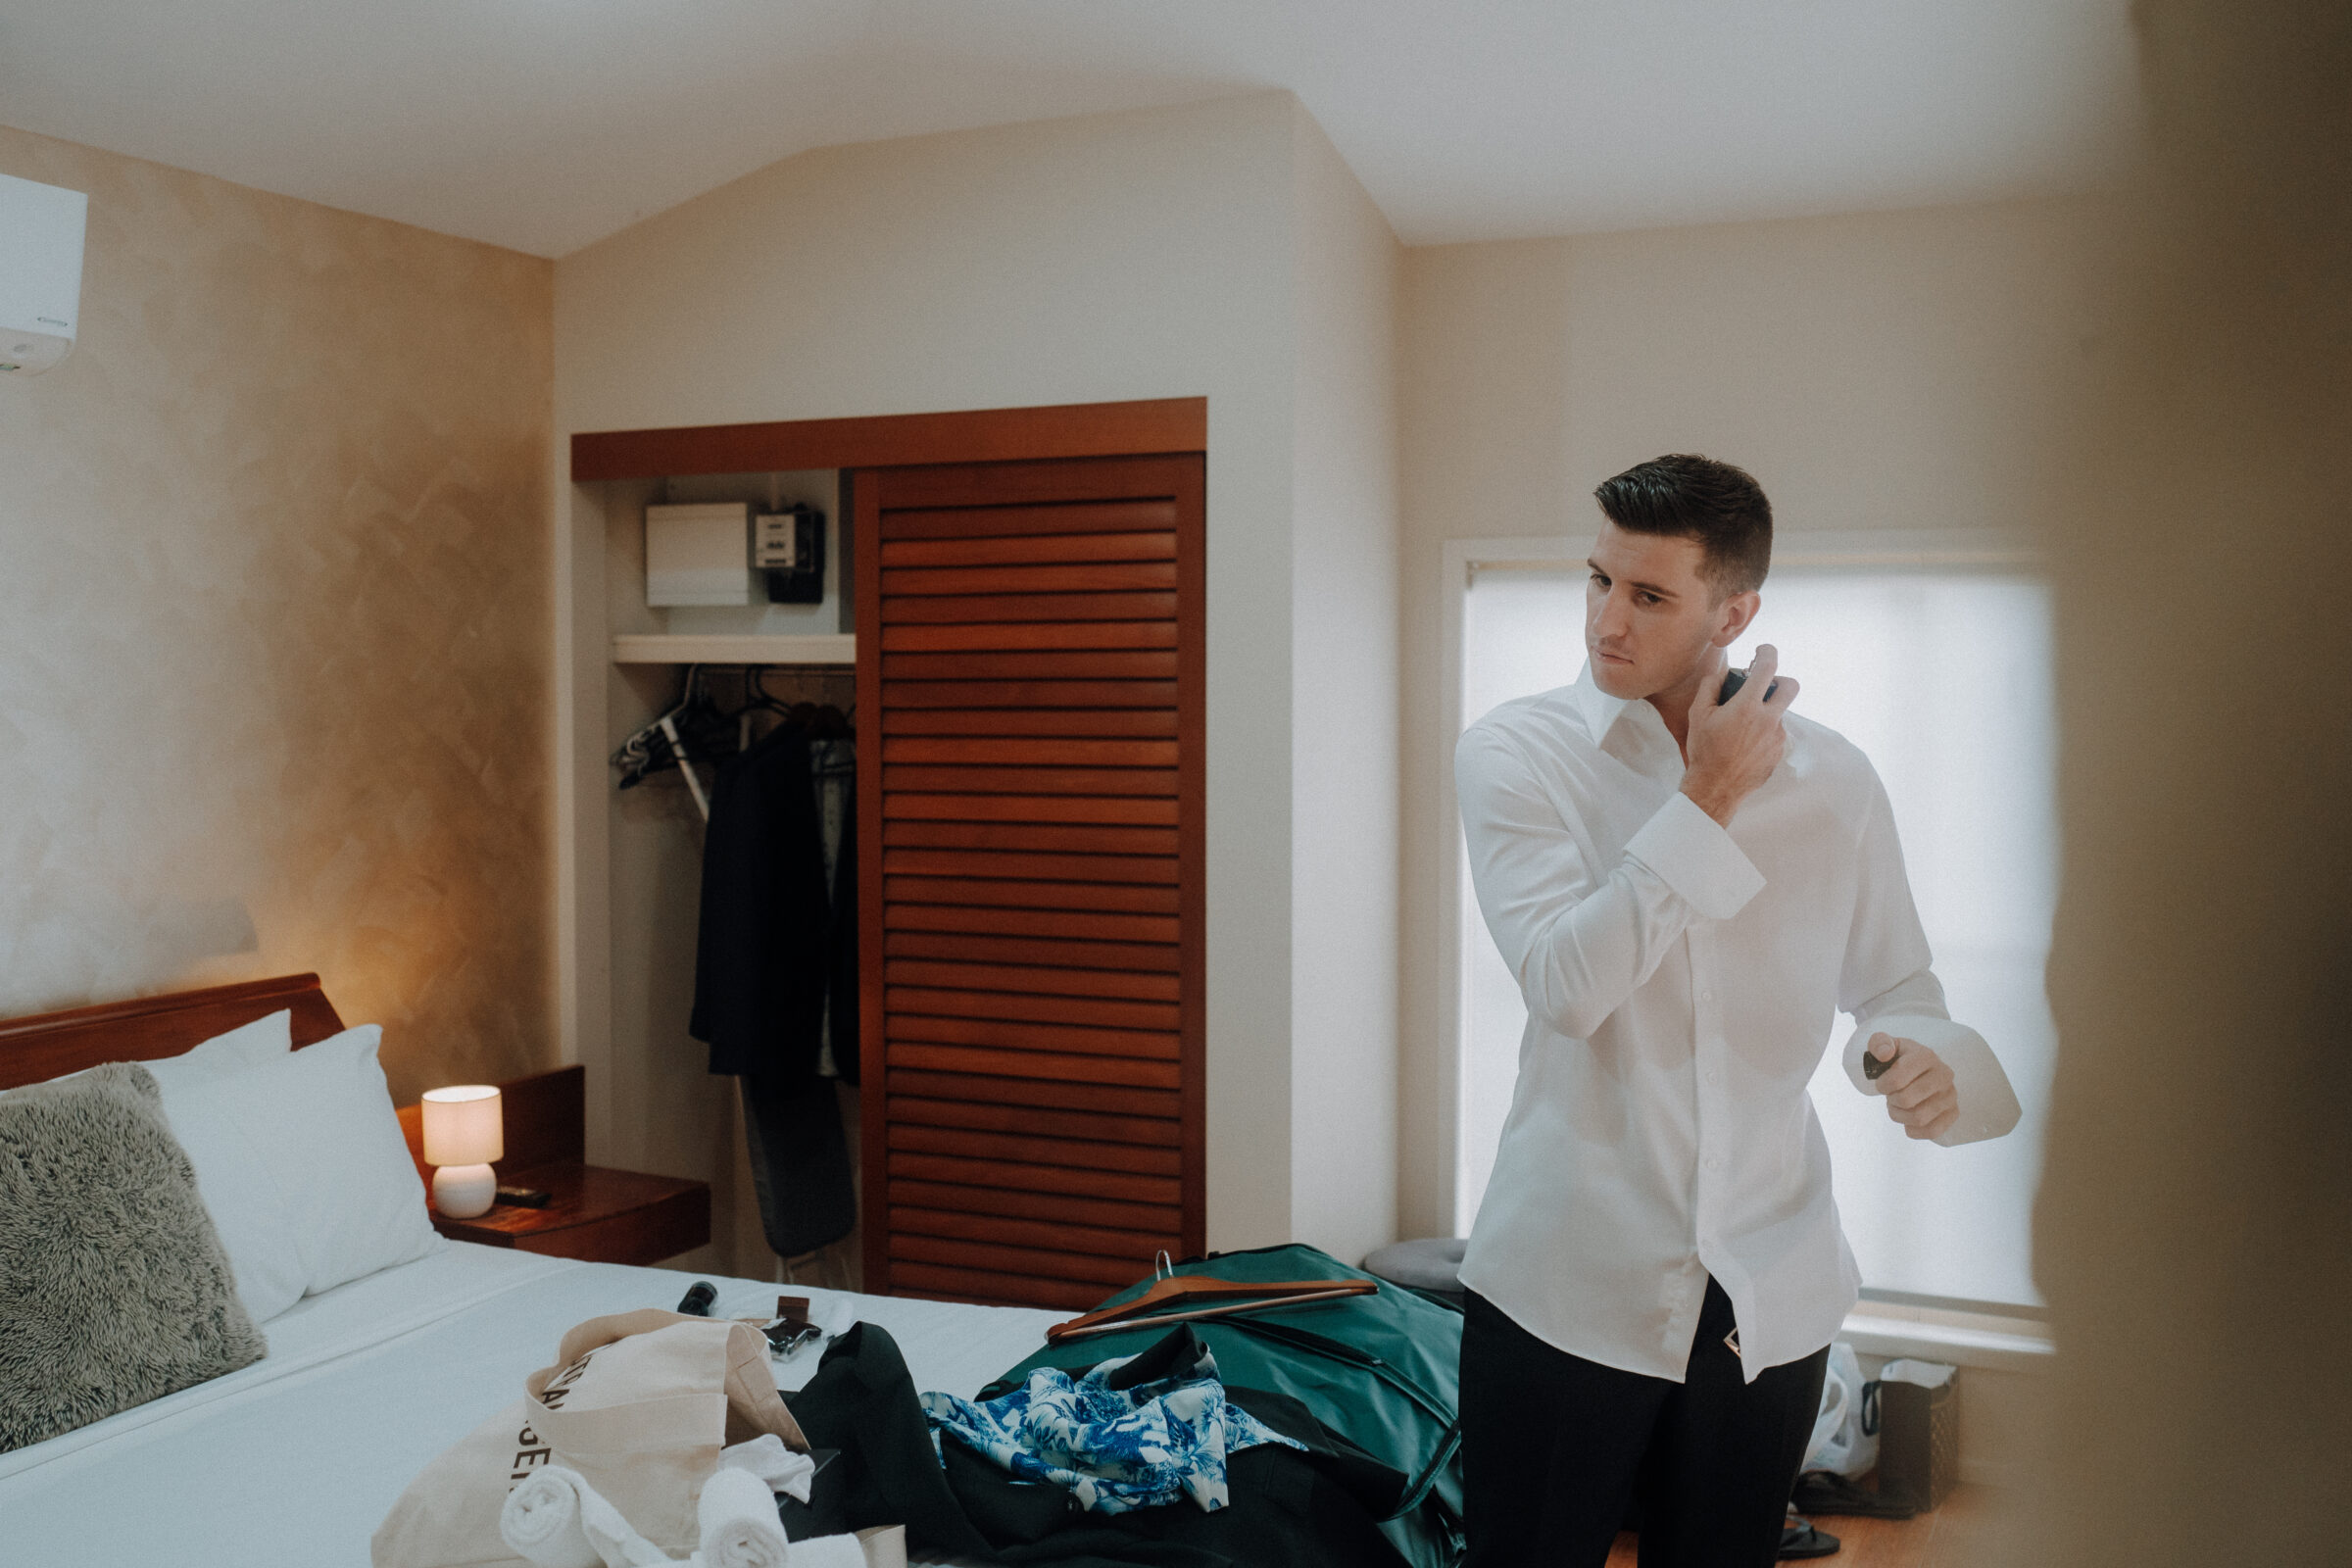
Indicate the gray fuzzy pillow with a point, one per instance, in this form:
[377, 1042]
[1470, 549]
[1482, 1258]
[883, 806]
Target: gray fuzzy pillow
[114, 1288]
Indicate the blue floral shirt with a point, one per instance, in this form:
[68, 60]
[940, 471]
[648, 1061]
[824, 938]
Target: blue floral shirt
[1115, 1449]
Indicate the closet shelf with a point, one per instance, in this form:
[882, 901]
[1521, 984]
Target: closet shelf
[745, 649]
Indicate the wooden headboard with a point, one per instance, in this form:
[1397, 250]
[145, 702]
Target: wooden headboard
[546, 1114]
[146, 1028]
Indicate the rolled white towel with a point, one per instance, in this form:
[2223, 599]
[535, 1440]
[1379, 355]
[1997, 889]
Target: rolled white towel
[540, 1522]
[740, 1527]
[554, 1505]
[766, 1457]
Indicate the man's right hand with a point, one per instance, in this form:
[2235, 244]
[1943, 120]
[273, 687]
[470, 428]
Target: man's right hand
[1733, 747]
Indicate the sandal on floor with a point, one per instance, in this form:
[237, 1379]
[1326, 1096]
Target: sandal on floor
[1828, 1492]
[1798, 1539]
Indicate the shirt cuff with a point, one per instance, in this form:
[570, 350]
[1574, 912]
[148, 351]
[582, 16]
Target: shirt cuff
[1694, 853]
[1988, 1106]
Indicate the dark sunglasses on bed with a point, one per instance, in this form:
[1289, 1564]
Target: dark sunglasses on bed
[785, 1336]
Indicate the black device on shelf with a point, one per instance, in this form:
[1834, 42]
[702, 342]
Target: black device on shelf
[788, 547]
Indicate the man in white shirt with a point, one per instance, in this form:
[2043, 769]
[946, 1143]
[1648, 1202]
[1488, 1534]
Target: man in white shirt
[1688, 890]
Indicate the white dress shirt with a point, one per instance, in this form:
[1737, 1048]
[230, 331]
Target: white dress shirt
[1680, 983]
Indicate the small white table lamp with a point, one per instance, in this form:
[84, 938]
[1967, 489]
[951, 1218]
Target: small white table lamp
[464, 1132]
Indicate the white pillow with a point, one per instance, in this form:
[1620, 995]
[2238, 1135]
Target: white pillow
[253, 1045]
[341, 1162]
[239, 1188]
[314, 1174]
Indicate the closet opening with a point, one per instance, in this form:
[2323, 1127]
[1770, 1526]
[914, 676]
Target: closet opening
[830, 1160]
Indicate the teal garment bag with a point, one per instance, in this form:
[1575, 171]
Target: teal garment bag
[1381, 1370]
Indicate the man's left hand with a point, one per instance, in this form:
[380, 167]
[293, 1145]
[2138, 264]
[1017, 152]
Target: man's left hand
[1919, 1088]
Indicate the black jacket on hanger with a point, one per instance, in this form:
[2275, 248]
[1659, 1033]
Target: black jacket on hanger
[771, 949]
[774, 943]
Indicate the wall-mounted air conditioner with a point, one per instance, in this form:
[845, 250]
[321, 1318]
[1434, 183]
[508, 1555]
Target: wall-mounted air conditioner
[40, 273]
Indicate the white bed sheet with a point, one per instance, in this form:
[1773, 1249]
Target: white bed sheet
[294, 1460]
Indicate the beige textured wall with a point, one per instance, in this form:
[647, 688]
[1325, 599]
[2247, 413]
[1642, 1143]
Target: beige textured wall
[1878, 371]
[274, 635]
[2194, 1230]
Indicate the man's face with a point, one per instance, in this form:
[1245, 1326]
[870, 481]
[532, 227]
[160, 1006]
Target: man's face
[1650, 613]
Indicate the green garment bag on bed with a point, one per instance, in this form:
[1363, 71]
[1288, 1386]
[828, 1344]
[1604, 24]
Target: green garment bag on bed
[1381, 1370]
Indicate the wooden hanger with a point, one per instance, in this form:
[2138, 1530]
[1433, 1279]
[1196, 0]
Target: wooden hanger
[1183, 1299]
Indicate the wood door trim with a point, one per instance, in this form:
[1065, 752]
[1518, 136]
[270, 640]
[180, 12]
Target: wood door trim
[864, 503]
[1192, 845]
[893, 440]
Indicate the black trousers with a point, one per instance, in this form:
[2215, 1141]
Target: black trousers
[1556, 1448]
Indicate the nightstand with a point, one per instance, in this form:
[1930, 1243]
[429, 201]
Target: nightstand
[606, 1217]
[595, 1213]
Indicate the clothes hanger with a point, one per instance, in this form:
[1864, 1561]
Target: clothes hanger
[678, 747]
[1188, 1297]
[638, 756]
[756, 693]
[646, 752]
[829, 723]
[756, 698]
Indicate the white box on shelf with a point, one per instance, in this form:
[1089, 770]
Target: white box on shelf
[41, 232]
[699, 555]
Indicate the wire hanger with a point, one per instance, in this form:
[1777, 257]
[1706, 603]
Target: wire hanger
[1183, 1299]
[697, 728]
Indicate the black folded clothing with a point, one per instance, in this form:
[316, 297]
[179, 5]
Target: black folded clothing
[1828, 1492]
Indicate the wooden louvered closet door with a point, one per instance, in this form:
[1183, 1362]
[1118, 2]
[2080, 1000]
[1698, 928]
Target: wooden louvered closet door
[1030, 656]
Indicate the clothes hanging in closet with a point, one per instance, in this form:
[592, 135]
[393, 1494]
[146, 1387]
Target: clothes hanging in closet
[775, 994]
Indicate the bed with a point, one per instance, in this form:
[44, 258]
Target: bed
[296, 1458]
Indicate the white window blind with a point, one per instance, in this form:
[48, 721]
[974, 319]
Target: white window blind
[1942, 677]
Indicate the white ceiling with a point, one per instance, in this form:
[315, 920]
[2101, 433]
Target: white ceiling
[545, 124]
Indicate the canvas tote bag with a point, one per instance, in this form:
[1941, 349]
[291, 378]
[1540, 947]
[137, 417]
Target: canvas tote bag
[640, 1403]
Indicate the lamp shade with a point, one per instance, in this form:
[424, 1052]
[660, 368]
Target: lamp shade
[462, 1126]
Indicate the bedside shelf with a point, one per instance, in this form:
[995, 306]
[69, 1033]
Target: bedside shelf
[738, 649]
[603, 1217]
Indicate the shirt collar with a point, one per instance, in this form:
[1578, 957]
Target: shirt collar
[1600, 710]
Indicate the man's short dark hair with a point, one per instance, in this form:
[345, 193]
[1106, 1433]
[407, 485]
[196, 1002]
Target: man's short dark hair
[1685, 496]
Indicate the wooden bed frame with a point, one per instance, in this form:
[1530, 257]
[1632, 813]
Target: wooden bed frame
[148, 1028]
[546, 1114]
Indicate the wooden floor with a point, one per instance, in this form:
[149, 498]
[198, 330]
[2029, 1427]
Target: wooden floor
[1949, 1538]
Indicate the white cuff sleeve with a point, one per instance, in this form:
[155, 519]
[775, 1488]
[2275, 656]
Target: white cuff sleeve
[1988, 1107]
[1692, 853]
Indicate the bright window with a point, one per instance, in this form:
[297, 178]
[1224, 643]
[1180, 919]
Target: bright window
[1942, 677]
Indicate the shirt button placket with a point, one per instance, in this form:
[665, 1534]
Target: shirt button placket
[1705, 1045]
